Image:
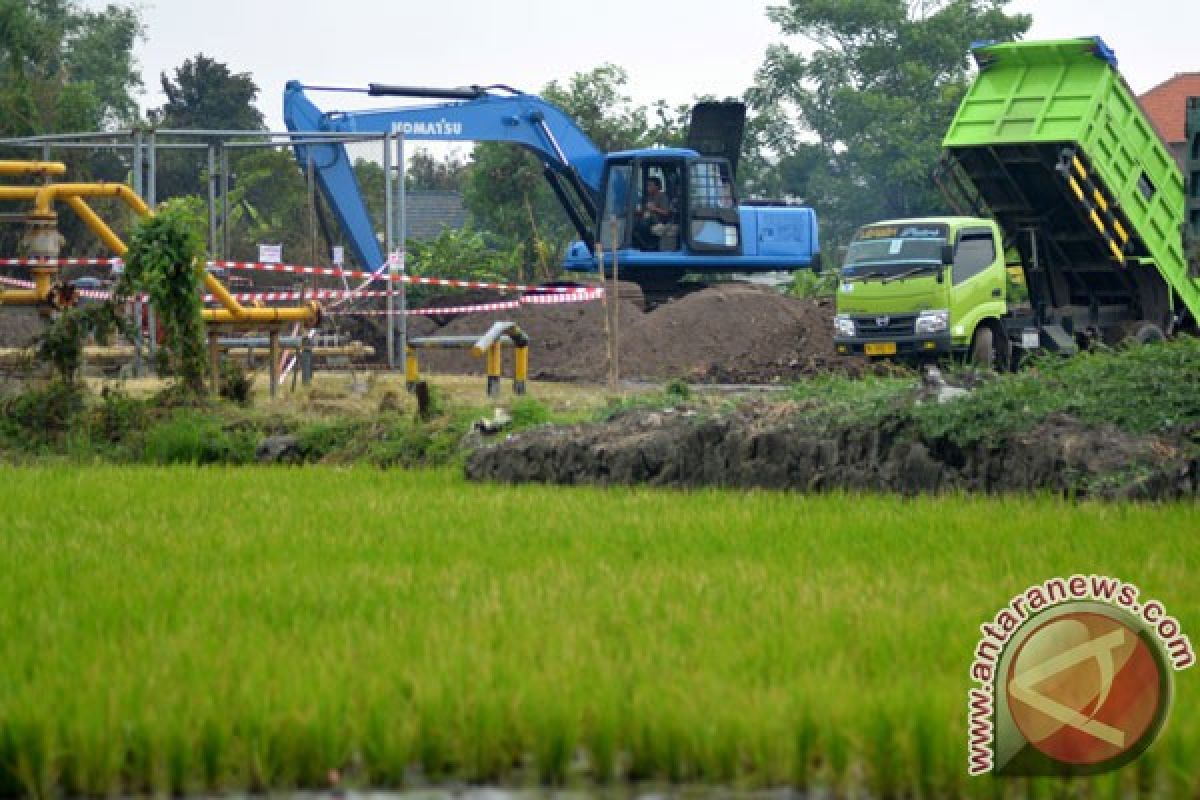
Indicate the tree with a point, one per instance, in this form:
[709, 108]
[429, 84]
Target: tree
[206, 94]
[426, 172]
[202, 94]
[878, 92]
[65, 69]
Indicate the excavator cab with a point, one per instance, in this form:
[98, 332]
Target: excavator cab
[666, 200]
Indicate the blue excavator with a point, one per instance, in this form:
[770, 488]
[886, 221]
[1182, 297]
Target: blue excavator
[663, 213]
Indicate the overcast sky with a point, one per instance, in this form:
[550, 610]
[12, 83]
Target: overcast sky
[672, 49]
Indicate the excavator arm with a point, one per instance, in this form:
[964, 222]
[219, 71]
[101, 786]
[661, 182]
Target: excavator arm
[572, 163]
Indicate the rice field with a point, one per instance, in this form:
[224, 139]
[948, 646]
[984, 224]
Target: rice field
[185, 630]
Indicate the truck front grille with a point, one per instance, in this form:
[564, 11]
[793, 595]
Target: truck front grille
[881, 326]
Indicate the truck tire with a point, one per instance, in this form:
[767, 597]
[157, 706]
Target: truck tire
[1148, 333]
[985, 352]
[1135, 333]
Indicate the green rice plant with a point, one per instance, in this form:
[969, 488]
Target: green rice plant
[186, 630]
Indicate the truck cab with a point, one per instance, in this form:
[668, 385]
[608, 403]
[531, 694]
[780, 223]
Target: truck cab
[914, 288]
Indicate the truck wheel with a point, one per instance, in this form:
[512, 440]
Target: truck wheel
[1148, 333]
[1139, 332]
[984, 353]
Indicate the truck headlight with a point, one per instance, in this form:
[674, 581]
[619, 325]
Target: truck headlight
[843, 325]
[933, 321]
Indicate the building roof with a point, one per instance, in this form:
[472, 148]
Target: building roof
[428, 211]
[1166, 105]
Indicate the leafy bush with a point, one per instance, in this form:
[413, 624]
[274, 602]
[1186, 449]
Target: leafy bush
[235, 383]
[323, 438]
[192, 437]
[161, 262]
[528, 411]
[41, 413]
[809, 284]
[62, 342]
[116, 416]
[678, 389]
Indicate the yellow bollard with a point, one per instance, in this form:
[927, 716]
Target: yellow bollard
[411, 368]
[520, 368]
[493, 369]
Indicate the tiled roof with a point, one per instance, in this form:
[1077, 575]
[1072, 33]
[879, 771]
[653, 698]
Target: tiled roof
[428, 211]
[1166, 105]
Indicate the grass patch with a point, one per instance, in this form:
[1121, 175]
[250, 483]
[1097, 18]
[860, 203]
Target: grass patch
[202, 630]
[1142, 389]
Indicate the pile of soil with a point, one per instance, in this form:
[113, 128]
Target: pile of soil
[761, 446]
[20, 326]
[733, 333]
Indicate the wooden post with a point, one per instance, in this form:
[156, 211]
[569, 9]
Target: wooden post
[615, 378]
[274, 356]
[608, 339]
[214, 360]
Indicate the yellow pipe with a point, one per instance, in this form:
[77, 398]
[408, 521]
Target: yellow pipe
[38, 295]
[521, 364]
[19, 297]
[46, 195]
[222, 294]
[307, 313]
[493, 360]
[32, 168]
[98, 226]
[18, 192]
[73, 193]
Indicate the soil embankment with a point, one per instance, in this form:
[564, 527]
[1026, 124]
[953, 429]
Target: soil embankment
[762, 446]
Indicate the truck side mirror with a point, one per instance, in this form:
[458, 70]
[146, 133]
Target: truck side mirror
[947, 253]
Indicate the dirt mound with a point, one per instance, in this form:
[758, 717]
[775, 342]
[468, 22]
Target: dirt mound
[737, 333]
[733, 333]
[762, 447]
[19, 327]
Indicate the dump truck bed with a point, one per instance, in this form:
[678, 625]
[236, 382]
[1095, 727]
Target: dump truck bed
[1051, 140]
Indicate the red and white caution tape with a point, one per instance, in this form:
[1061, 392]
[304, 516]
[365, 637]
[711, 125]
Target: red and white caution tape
[60, 262]
[300, 269]
[382, 276]
[580, 296]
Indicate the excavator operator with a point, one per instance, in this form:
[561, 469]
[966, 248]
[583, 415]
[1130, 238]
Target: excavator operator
[654, 213]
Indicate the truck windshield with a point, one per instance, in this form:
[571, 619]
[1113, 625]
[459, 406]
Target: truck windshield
[884, 258]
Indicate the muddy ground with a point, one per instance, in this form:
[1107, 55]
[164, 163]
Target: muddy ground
[761, 445]
[736, 333]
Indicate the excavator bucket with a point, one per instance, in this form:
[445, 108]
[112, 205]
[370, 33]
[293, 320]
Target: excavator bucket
[717, 130]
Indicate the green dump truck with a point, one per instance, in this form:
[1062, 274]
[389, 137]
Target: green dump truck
[1071, 230]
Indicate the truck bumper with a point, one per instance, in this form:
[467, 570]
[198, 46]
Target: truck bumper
[905, 346]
